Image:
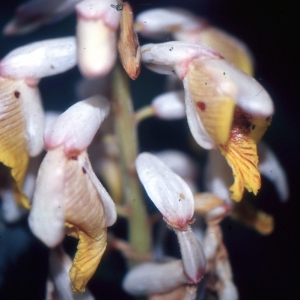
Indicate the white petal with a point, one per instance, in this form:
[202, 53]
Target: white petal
[193, 257]
[170, 57]
[154, 278]
[195, 124]
[40, 59]
[167, 190]
[110, 213]
[32, 14]
[33, 115]
[77, 126]
[47, 215]
[245, 90]
[270, 167]
[153, 22]
[11, 211]
[169, 106]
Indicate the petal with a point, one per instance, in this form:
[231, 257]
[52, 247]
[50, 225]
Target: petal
[47, 216]
[270, 167]
[154, 22]
[154, 278]
[214, 108]
[84, 116]
[193, 258]
[33, 14]
[174, 57]
[195, 124]
[169, 106]
[40, 59]
[88, 255]
[13, 148]
[167, 190]
[96, 37]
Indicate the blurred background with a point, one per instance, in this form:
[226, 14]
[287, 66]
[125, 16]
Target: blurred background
[264, 267]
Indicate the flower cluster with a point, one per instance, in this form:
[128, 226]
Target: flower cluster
[53, 161]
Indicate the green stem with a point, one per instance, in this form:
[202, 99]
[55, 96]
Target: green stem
[139, 231]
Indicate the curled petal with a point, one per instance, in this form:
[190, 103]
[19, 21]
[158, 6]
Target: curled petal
[169, 106]
[270, 167]
[33, 14]
[128, 45]
[167, 190]
[67, 129]
[154, 278]
[154, 22]
[96, 37]
[13, 146]
[193, 258]
[40, 59]
[170, 57]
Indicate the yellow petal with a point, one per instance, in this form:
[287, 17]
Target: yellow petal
[215, 109]
[13, 153]
[88, 255]
[85, 219]
[241, 154]
[128, 45]
[233, 50]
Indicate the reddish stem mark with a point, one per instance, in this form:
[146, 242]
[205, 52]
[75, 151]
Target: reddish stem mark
[74, 157]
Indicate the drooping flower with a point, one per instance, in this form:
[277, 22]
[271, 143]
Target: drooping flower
[187, 27]
[69, 199]
[225, 108]
[21, 112]
[174, 199]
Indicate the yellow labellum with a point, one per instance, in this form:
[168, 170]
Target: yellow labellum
[241, 152]
[228, 47]
[88, 255]
[215, 109]
[128, 45]
[205, 202]
[13, 153]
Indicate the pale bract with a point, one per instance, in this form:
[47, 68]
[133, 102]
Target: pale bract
[169, 192]
[40, 59]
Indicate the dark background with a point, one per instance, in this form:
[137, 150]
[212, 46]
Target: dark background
[263, 267]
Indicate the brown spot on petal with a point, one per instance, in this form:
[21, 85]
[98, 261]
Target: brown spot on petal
[182, 196]
[201, 106]
[17, 94]
[74, 157]
[83, 170]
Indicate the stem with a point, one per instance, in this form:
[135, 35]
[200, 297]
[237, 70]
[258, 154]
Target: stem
[139, 231]
[144, 113]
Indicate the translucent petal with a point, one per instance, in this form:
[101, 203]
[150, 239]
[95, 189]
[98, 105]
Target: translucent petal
[13, 146]
[167, 190]
[40, 59]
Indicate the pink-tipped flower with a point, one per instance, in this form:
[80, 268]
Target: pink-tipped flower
[68, 197]
[35, 13]
[97, 23]
[171, 195]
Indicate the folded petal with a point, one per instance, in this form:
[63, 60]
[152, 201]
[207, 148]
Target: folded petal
[84, 116]
[171, 195]
[13, 146]
[40, 59]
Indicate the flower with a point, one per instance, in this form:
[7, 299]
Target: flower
[226, 108]
[68, 197]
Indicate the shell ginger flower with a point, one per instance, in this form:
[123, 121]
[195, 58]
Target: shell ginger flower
[68, 197]
[226, 108]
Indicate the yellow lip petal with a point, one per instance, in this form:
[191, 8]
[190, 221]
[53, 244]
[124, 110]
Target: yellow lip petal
[88, 255]
[215, 109]
[13, 153]
[241, 154]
